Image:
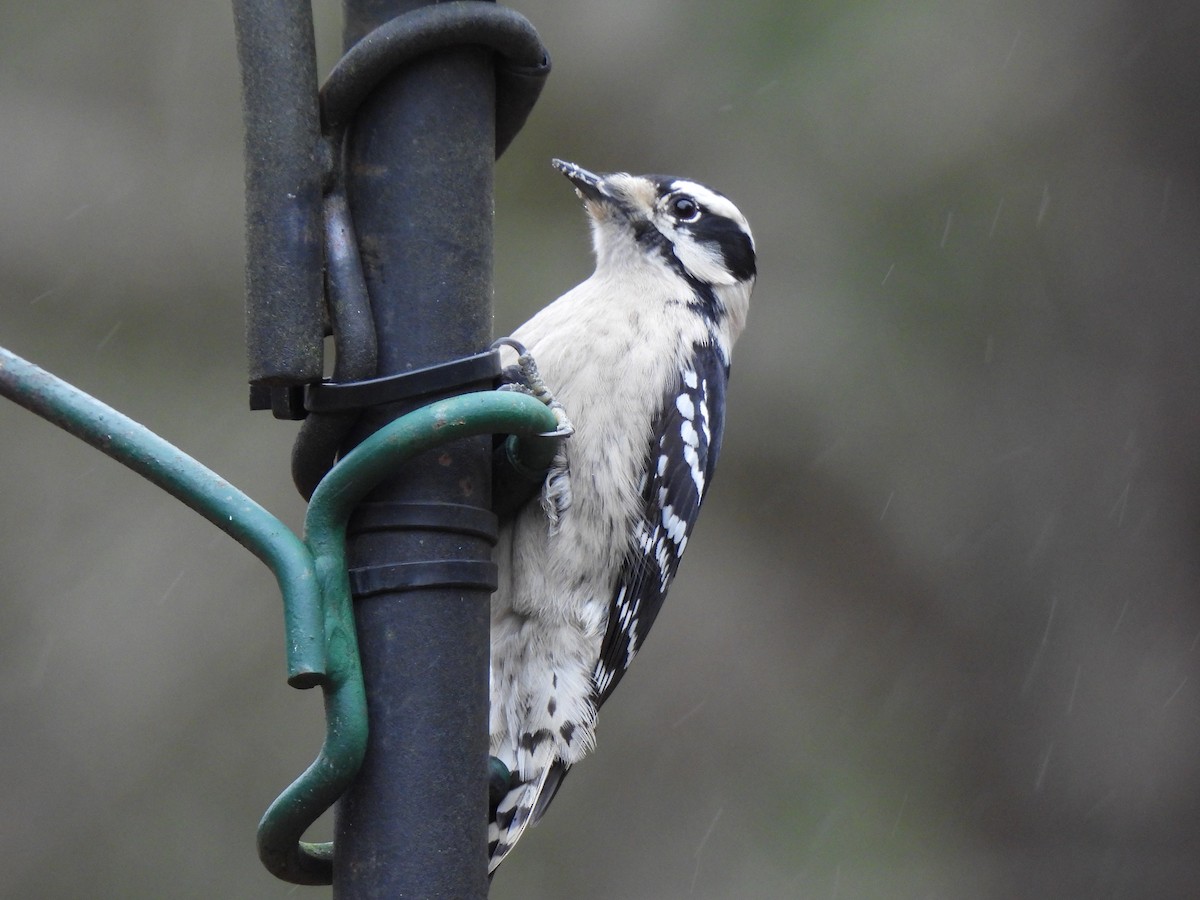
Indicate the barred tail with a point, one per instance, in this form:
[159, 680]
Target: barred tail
[515, 811]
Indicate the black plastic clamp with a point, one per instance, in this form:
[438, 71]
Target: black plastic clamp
[441, 380]
[467, 524]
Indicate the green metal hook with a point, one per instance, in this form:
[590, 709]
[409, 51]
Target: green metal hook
[321, 645]
[200, 488]
[488, 412]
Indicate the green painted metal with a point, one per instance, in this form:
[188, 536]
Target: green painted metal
[318, 614]
[143, 451]
[487, 412]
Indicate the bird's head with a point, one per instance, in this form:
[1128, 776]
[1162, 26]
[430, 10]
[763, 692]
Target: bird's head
[673, 225]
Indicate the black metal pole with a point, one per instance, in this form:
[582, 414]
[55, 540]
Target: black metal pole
[419, 162]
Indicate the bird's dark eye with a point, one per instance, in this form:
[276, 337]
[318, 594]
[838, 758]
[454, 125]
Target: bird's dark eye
[685, 209]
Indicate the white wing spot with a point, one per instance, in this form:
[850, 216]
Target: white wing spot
[687, 431]
[676, 528]
[686, 407]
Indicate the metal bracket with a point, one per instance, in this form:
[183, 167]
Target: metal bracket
[321, 645]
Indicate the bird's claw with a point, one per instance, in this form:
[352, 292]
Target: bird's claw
[528, 380]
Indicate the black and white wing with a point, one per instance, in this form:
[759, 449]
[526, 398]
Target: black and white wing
[683, 455]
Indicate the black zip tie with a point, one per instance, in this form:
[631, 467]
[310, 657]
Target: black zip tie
[444, 379]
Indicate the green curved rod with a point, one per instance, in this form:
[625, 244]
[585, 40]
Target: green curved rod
[488, 412]
[321, 645]
[198, 487]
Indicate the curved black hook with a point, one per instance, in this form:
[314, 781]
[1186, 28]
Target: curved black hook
[522, 62]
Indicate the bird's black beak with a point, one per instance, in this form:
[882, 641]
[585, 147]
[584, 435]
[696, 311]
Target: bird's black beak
[589, 185]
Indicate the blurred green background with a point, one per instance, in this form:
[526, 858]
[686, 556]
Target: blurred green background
[938, 634]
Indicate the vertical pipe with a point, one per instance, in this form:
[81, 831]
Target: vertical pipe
[284, 304]
[419, 163]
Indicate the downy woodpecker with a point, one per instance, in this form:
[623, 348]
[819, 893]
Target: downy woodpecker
[638, 355]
